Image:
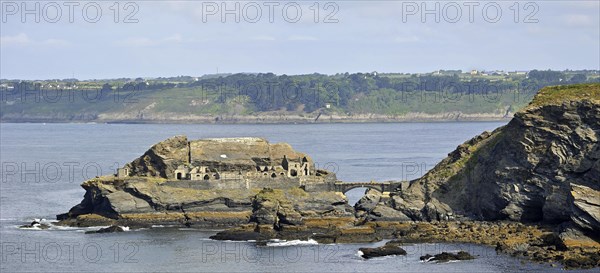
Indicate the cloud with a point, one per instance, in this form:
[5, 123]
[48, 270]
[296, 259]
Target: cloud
[136, 42]
[56, 42]
[407, 39]
[20, 39]
[145, 42]
[174, 39]
[263, 38]
[578, 20]
[23, 39]
[302, 38]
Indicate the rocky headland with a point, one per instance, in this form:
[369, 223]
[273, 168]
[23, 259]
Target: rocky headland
[530, 188]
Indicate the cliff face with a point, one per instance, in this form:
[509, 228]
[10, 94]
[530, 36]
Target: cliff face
[543, 166]
[162, 159]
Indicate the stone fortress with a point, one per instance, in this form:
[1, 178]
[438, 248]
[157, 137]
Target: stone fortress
[287, 168]
[236, 163]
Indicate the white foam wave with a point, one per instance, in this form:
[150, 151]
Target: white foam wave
[360, 254]
[292, 243]
[34, 227]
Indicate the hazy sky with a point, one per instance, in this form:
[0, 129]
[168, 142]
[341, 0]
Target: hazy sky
[170, 38]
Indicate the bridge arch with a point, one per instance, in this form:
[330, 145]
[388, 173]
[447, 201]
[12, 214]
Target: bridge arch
[378, 186]
[345, 189]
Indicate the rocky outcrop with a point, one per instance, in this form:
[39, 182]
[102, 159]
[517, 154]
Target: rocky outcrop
[110, 229]
[585, 204]
[447, 256]
[390, 248]
[36, 224]
[543, 166]
[290, 207]
[151, 192]
[293, 214]
[374, 207]
[146, 201]
[162, 159]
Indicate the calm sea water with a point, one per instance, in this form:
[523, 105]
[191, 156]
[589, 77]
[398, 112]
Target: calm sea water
[43, 165]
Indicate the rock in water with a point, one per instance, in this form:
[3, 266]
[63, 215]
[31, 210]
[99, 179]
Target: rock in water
[390, 248]
[543, 166]
[447, 256]
[110, 229]
[210, 183]
[36, 224]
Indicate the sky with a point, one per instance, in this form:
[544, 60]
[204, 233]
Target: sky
[91, 40]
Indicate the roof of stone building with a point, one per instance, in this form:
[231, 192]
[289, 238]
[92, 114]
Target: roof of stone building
[246, 151]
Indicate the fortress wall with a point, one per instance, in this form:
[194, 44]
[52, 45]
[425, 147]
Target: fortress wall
[220, 184]
[319, 187]
[274, 183]
[236, 183]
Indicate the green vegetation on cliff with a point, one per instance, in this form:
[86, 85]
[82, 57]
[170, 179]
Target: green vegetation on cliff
[553, 95]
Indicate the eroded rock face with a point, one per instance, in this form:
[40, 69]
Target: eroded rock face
[543, 166]
[585, 206]
[279, 208]
[162, 159]
[373, 207]
[143, 200]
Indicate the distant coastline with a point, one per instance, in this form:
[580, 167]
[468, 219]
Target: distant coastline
[261, 119]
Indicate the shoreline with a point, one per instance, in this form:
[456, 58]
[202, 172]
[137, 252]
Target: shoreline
[252, 118]
[270, 122]
[533, 242]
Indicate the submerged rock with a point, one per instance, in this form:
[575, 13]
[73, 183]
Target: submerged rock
[36, 224]
[110, 229]
[447, 256]
[390, 248]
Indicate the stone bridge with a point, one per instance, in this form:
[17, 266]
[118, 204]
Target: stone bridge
[379, 186]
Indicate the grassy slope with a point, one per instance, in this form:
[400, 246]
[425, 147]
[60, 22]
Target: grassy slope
[553, 95]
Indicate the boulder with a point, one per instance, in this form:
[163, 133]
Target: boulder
[585, 207]
[447, 256]
[390, 248]
[36, 224]
[372, 207]
[110, 229]
[368, 201]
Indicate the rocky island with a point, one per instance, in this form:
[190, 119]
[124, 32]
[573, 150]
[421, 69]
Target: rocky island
[530, 188]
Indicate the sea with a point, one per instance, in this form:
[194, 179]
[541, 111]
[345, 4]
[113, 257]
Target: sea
[43, 166]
